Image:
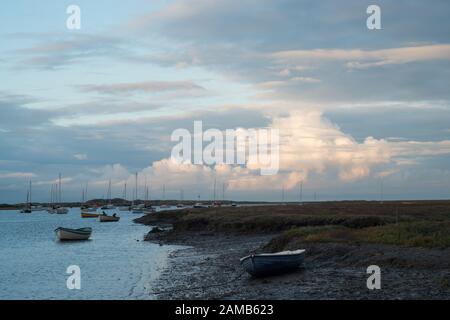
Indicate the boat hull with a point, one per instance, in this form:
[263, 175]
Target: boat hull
[108, 218]
[262, 265]
[62, 211]
[65, 234]
[89, 215]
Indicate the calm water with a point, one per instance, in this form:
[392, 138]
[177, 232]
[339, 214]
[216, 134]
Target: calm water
[114, 265]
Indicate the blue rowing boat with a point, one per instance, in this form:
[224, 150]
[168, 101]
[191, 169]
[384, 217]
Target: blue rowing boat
[267, 264]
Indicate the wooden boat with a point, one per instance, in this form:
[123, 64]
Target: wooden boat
[89, 215]
[66, 234]
[267, 264]
[106, 218]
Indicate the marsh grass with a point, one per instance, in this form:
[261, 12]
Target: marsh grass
[410, 234]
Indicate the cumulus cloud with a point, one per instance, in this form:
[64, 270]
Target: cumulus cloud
[309, 143]
[80, 156]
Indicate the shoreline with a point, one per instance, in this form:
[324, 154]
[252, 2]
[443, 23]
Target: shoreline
[335, 268]
[209, 269]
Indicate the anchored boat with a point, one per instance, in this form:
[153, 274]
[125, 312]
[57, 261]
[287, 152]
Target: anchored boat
[106, 218]
[66, 234]
[266, 264]
[89, 215]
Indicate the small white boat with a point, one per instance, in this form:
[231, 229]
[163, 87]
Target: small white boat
[62, 210]
[149, 210]
[108, 207]
[106, 218]
[266, 264]
[66, 234]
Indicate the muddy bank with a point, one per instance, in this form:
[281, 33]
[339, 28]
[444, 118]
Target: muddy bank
[210, 269]
[408, 241]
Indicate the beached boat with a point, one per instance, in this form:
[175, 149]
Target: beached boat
[266, 264]
[66, 234]
[89, 215]
[106, 218]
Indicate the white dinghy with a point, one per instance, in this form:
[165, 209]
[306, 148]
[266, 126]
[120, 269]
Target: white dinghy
[66, 234]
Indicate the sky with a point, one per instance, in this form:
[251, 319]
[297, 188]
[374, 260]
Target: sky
[362, 114]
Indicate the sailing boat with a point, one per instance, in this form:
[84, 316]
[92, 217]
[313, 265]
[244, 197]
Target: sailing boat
[164, 206]
[27, 208]
[140, 208]
[125, 208]
[59, 209]
[109, 206]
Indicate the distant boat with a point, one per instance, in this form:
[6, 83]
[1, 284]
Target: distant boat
[200, 205]
[62, 210]
[234, 204]
[267, 264]
[66, 234]
[180, 205]
[138, 211]
[124, 208]
[106, 218]
[149, 210]
[89, 215]
[108, 207]
[26, 210]
[164, 206]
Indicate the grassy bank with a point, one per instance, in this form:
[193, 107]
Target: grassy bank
[410, 234]
[418, 223]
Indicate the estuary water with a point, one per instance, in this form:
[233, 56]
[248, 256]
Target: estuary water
[115, 263]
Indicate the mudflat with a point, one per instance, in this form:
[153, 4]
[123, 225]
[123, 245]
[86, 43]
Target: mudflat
[408, 241]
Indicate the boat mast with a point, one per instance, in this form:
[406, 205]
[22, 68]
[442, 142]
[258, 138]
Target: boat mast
[30, 193]
[301, 192]
[214, 193]
[109, 192]
[59, 189]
